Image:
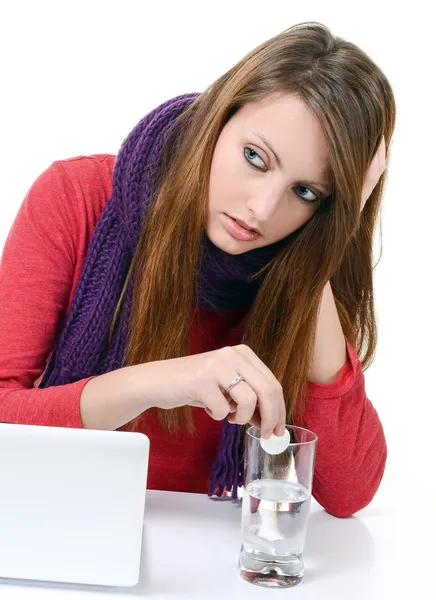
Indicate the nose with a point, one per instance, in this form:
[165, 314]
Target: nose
[263, 203]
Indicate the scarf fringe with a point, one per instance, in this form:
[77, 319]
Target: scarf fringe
[227, 472]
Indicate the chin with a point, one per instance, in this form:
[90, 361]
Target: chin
[226, 245]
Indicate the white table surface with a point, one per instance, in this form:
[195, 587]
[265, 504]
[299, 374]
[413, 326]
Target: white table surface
[191, 547]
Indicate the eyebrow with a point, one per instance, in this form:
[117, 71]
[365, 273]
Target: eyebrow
[314, 183]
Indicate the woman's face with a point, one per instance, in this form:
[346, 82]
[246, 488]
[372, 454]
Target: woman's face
[269, 170]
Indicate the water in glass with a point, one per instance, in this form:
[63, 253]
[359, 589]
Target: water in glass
[274, 521]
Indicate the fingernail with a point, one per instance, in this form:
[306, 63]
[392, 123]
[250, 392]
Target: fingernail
[282, 430]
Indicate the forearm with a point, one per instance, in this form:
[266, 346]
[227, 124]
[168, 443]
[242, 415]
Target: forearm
[330, 352]
[115, 398]
[351, 451]
[350, 464]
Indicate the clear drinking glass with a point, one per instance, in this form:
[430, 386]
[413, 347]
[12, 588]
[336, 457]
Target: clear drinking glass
[275, 509]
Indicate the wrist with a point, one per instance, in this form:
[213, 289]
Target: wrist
[139, 382]
[111, 400]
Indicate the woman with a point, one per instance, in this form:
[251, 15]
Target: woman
[216, 272]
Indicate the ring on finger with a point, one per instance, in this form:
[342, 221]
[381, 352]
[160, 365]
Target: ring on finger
[236, 380]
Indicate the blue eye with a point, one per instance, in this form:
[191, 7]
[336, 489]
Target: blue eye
[251, 155]
[309, 200]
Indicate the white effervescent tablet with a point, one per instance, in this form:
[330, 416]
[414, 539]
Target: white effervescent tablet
[276, 444]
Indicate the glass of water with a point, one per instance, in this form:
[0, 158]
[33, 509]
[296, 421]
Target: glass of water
[275, 508]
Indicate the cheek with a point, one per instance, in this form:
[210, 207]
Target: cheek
[294, 216]
[225, 178]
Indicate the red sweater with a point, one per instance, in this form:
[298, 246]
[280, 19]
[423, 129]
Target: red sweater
[41, 264]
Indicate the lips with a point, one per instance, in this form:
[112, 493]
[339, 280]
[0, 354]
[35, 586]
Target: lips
[238, 231]
[245, 225]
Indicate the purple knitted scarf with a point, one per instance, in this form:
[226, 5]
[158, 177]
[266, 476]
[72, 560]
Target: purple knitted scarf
[224, 283]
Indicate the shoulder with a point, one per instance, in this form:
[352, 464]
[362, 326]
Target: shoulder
[72, 189]
[101, 164]
[80, 176]
[63, 204]
[87, 174]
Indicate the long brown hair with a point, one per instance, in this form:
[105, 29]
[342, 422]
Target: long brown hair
[355, 106]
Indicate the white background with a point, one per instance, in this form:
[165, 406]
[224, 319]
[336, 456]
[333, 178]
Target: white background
[77, 77]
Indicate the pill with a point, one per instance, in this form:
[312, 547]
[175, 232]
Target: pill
[276, 444]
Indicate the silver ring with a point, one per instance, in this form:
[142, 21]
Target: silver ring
[236, 380]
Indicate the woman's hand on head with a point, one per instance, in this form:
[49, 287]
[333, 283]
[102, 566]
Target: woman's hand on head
[202, 380]
[375, 171]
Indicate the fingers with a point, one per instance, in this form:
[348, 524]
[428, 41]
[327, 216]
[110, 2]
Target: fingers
[382, 155]
[244, 399]
[252, 357]
[279, 429]
[375, 171]
[257, 399]
[273, 394]
[255, 419]
[215, 403]
[267, 389]
[268, 408]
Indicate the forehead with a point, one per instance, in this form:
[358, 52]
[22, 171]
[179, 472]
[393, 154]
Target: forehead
[292, 129]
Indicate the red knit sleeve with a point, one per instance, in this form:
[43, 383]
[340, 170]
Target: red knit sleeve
[351, 451]
[36, 275]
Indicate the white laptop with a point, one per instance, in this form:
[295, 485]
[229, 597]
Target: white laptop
[72, 504]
